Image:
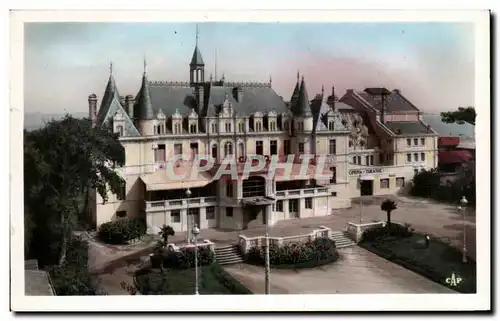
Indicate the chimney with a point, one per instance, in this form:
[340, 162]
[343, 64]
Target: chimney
[238, 94]
[428, 128]
[350, 91]
[93, 109]
[200, 98]
[382, 110]
[333, 98]
[122, 100]
[397, 91]
[129, 104]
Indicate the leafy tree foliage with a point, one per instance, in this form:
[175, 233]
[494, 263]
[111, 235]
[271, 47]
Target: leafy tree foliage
[61, 161]
[388, 206]
[460, 116]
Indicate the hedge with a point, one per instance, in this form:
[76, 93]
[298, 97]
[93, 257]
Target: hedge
[233, 285]
[183, 259]
[297, 255]
[381, 232]
[121, 231]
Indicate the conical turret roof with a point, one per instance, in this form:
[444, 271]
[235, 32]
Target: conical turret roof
[197, 60]
[303, 107]
[143, 107]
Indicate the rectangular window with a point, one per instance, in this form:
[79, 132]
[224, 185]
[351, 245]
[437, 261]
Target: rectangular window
[422, 141]
[210, 213]
[415, 141]
[175, 216]
[367, 160]
[160, 154]
[408, 158]
[241, 127]
[400, 181]
[331, 125]
[415, 157]
[408, 142]
[259, 147]
[192, 128]
[422, 157]
[293, 205]
[228, 127]
[286, 146]
[384, 183]
[334, 193]
[286, 125]
[371, 159]
[279, 206]
[121, 214]
[301, 126]
[301, 148]
[214, 128]
[229, 211]
[333, 179]
[229, 190]
[332, 148]
[354, 160]
[122, 194]
[359, 160]
[177, 149]
[309, 203]
[273, 147]
[272, 126]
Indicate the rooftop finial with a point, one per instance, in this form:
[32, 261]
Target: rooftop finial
[197, 34]
[298, 75]
[145, 65]
[110, 67]
[270, 79]
[322, 90]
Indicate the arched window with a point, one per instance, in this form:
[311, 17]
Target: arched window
[228, 149]
[192, 128]
[241, 150]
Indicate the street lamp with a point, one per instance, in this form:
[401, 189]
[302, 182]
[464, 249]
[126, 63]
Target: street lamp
[463, 208]
[360, 203]
[268, 264]
[196, 232]
[188, 195]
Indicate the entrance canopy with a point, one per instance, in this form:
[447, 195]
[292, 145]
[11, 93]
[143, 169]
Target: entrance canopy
[183, 175]
[367, 178]
[258, 201]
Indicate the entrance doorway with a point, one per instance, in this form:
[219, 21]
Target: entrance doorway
[366, 187]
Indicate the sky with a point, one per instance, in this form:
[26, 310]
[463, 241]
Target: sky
[431, 63]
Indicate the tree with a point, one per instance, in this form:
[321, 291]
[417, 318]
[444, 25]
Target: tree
[62, 161]
[460, 116]
[388, 206]
[165, 232]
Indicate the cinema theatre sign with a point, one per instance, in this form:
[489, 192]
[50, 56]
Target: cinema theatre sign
[355, 172]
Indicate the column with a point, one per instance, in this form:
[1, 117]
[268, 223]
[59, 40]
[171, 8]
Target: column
[302, 205]
[203, 218]
[286, 213]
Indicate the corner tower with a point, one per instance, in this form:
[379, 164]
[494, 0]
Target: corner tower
[197, 66]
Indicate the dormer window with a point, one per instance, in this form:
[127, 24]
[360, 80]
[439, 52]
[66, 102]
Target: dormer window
[160, 129]
[272, 126]
[286, 125]
[331, 125]
[214, 128]
[192, 128]
[228, 127]
[258, 126]
[301, 126]
[241, 127]
[177, 128]
[350, 143]
[119, 130]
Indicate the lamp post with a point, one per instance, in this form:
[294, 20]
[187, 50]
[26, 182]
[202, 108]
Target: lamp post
[360, 203]
[463, 208]
[188, 226]
[196, 232]
[268, 264]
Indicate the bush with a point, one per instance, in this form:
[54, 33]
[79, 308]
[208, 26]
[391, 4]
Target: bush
[391, 230]
[230, 283]
[121, 231]
[184, 259]
[72, 278]
[319, 250]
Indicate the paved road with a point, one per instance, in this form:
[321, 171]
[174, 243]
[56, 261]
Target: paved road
[357, 271]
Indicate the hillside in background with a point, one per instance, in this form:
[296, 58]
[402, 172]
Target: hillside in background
[38, 120]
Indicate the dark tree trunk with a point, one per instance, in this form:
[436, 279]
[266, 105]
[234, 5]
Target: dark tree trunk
[388, 218]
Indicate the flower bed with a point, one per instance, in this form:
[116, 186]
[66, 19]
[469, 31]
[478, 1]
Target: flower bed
[299, 255]
[184, 258]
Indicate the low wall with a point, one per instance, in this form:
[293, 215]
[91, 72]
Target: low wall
[355, 231]
[204, 243]
[246, 243]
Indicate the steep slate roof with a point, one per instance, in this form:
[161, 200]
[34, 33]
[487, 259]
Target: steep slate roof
[320, 110]
[393, 103]
[197, 60]
[111, 105]
[302, 107]
[171, 96]
[408, 128]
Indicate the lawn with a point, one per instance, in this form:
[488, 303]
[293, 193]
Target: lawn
[437, 262]
[213, 280]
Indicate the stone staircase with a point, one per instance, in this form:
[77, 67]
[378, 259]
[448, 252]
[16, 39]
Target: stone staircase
[229, 254]
[341, 239]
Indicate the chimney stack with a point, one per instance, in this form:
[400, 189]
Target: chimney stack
[129, 104]
[93, 109]
[122, 100]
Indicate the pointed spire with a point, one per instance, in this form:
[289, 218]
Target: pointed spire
[110, 68]
[270, 80]
[145, 65]
[144, 106]
[322, 90]
[197, 35]
[298, 76]
[197, 60]
[303, 106]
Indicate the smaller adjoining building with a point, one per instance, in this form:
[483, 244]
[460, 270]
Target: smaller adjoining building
[453, 153]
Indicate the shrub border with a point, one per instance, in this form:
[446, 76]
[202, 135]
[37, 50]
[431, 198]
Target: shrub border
[302, 265]
[419, 269]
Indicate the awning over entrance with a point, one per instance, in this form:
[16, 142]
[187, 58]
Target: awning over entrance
[312, 172]
[367, 178]
[181, 176]
[256, 201]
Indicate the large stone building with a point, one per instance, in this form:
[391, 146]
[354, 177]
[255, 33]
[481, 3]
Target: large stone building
[371, 148]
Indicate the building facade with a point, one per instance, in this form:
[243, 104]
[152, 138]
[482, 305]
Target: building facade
[232, 121]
